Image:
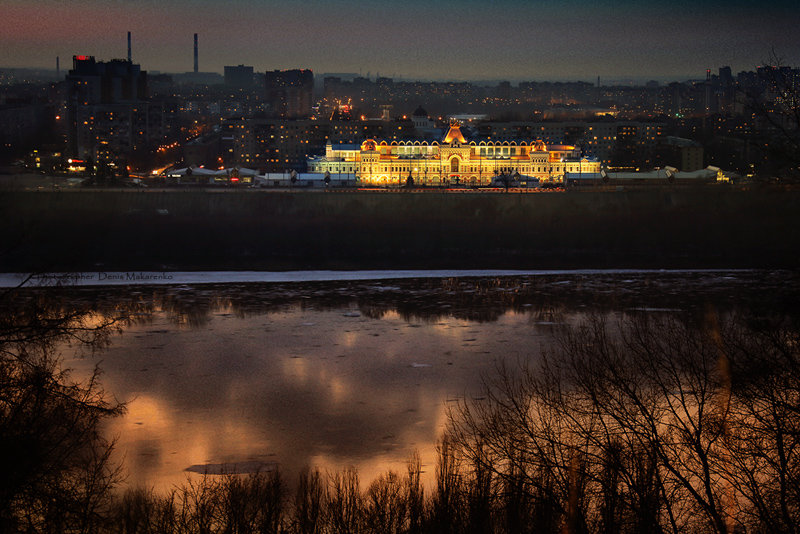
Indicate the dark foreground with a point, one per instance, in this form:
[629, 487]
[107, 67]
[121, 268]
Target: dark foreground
[249, 230]
[655, 421]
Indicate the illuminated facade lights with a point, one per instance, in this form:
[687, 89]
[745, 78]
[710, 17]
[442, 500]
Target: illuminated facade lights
[453, 161]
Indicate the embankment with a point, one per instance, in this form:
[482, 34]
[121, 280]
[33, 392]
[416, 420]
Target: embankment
[271, 230]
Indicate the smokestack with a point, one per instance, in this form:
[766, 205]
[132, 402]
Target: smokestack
[129, 47]
[195, 53]
[58, 68]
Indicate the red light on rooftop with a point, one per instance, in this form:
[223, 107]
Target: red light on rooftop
[81, 58]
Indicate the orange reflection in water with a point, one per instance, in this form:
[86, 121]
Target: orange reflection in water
[330, 389]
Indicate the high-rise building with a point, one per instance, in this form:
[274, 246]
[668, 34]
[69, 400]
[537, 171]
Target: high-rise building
[111, 82]
[239, 77]
[289, 93]
[110, 116]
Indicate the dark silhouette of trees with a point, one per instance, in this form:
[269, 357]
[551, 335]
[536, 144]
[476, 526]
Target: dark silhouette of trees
[56, 466]
[308, 504]
[652, 425]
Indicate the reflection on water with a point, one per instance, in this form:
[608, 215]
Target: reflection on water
[297, 386]
[346, 373]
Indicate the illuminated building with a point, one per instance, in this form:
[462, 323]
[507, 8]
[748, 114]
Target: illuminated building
[453, 161]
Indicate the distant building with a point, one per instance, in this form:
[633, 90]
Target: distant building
[110, 82]
[452, 161]
[422, 122]
[504, 91]
[21, 124]
[105, 107]
[203, 151]
[109, 113]
[240, 77]
[198, 78]
[275, 144]
[685, 154]
[604, 139]
[289, 93]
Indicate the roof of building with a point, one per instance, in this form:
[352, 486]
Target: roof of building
[454, 134]
[558, 148]
[345, 146]
[539, 146]
[655, 174]
[200, 171]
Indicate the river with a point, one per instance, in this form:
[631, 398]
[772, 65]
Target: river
[338, 373]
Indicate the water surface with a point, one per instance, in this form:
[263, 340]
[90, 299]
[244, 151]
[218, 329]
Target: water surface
[351, 373]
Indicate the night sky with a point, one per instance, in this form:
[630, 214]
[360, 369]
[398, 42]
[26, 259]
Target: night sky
[449, 39]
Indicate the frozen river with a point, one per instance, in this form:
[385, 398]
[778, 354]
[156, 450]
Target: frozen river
[343, 372]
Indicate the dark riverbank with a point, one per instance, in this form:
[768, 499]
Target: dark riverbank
[180, 229]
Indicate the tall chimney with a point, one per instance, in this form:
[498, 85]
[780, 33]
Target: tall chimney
[195, 53]
[58, 68]
[129, 47]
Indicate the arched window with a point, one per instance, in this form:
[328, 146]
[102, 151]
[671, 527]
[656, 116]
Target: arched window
[454, 165]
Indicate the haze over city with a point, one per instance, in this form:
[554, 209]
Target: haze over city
[574, 39]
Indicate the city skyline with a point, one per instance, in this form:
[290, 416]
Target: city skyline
[419, 40]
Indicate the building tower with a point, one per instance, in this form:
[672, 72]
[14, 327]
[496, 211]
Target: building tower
[107, 108]
[289, 93]
[195, 53]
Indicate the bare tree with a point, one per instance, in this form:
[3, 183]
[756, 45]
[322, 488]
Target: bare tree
[649, 425]
[56, 463]
[415, 495]
[308, 503]
[386, 505]
[446, 506]
[344, 504]
[252, 503]
[762, 455]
